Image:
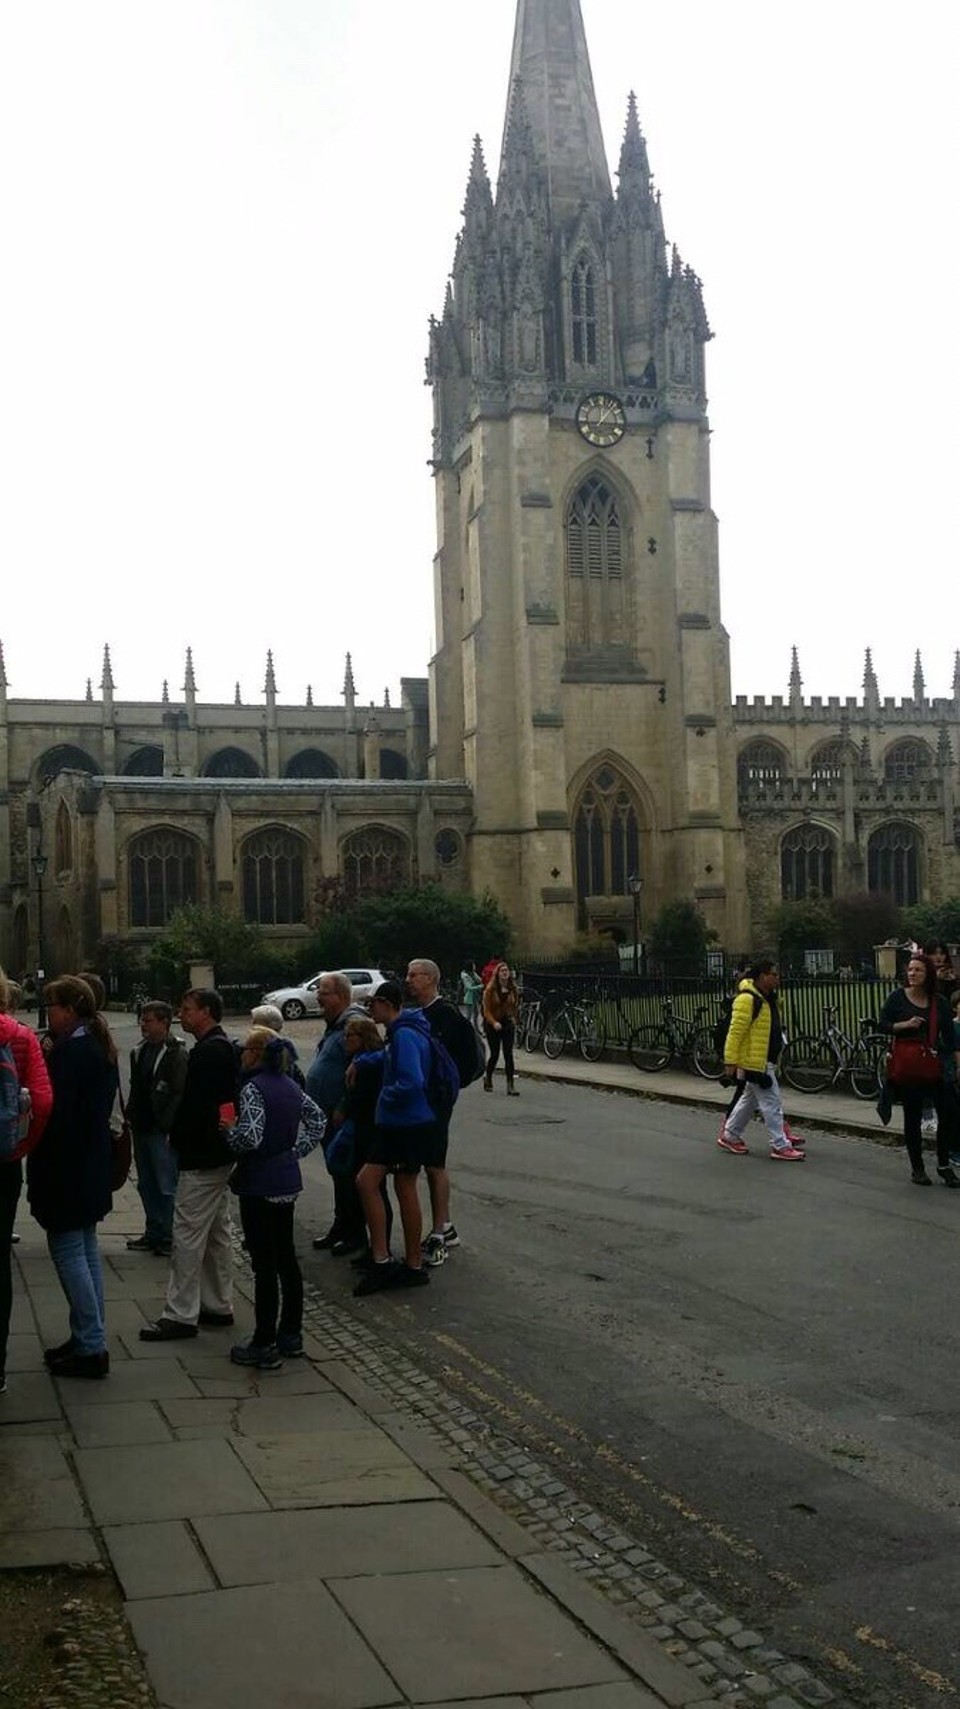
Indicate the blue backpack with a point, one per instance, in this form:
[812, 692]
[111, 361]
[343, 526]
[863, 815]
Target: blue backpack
[14, 1117]
[443, 1080]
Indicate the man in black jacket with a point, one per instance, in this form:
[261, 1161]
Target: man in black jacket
[200, 1287]
[158, 1070]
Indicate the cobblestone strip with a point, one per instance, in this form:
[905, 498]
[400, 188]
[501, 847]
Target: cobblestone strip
[98, 1664]
[734, 1664]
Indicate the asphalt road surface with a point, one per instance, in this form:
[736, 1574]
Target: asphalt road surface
[752, 1366]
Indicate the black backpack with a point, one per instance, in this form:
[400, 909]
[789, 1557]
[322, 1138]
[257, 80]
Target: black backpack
[461, 1039]
[722, 1027]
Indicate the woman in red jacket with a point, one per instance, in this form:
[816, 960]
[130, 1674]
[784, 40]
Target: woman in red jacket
[35, 1082]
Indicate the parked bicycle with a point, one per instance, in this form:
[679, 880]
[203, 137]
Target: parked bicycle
[653, 1046]
[811, 1064]
[576, 1022]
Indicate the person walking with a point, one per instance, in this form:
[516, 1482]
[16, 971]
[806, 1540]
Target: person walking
[920, 1024]
[751, 1052]
[326, 1081]
[69, 1171]
[200, 1284]
[471, 994]
[158, 1072]
[36, 1102]
[276, 1126]
[501, 1001]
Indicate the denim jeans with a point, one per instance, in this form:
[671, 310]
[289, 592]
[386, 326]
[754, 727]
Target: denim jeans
[157, 1172]
[76, 1258]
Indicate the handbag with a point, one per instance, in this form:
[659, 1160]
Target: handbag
[913, 1062]
[121, 1149]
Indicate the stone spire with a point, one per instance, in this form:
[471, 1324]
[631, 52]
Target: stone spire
[349, 687]
[236, 696]
[165, 693]
[551, 61]
[3, 683]
[633, 173]
[386, 698]
[478, 205]
[309, 694]
[270, 685]
[796, 682]
[89, 693]
[106, 679]
[919, 687]
[871, 691]
[956, 678]
[190, 682]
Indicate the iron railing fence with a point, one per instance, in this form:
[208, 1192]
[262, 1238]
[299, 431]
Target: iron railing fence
[627, 1001]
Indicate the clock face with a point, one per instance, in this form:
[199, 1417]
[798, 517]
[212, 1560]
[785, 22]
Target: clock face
[600, 419]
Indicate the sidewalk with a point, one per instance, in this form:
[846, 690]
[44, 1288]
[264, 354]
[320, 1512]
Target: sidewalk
[288, 1539]
[833, 1112]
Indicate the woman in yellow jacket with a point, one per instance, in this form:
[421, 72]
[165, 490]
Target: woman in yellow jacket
[750, 1055]
[501, 1000]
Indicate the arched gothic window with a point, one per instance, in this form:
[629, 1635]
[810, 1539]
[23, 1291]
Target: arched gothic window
[63, 840]
[374, 859]
[807, 863]
[231, 762]
[606, 838]
[272, 878]
[893, 863]
[596, 604]
[906, 761]
[312, 762]
[65, 758]
[583, 307]
[392, 763]
[760, 766]
[163, 868]
[826, 765]
[145, 762]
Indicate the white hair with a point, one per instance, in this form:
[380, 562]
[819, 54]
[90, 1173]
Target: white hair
[430, 968]
[340, 984]
[267, 1015]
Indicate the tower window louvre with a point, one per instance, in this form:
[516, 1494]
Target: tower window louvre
[583, 306]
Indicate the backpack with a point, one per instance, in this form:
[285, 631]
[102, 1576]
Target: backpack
[14, 1106]
[443, 1080]
[722, 1027]
[461, 1041]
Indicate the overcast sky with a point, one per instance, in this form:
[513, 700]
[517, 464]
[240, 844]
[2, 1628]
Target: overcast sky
[226, 223]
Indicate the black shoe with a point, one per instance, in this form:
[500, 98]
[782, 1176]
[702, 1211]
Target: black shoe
[53, 1355]
[290, 1346]
[920, 1178]
[409, 1278]
[168, 1329]
[363, 1260]
[325, 1241]
[949, 1176]
[348, 1248]
[141, 1244]
[164, 1249]
[377, 1277]
[93, 1366]
[215, 1319]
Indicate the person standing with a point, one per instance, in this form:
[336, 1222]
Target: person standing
[158, 1071]
[423, 983]
[326, 1081]
[200, 1285]
[406, 1138]
[276, 1126]
[69, 1171]
[750, 1055]
[501, 1000]
[917, 1016]
[471, 994]
[36, 1098]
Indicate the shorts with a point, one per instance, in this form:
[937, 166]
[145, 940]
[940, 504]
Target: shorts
[406, 1150]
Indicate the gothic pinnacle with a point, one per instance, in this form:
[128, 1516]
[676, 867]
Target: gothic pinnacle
[869, 676]
[270, 684]
[106, 680]
[796, 681]
[349, 687]
[956, 676]
[236, 696]
[3, 668]
[309, 694]
[478, 204]
[634, 169]
[919, 687]
[165, 693]
[189, 680]
[89, 693]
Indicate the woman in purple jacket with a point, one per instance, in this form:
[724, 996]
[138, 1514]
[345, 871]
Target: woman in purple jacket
[276, 1125]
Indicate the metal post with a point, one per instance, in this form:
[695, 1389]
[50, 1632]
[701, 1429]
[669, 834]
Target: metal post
[39, 864]
[635, 885]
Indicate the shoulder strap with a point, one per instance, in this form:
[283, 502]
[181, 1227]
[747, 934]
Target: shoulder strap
[933, 1022]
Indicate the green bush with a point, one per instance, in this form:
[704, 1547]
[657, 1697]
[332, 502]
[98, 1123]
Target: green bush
[679, 938]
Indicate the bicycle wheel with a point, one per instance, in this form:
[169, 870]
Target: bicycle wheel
[650, 1048]
[807, 1064]
[556, 1034]
[590, 1035]
[868, 1065]
[533, 1038]
[707, 1059]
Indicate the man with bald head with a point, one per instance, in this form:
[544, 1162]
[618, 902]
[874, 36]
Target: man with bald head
[326, 1083]
[446, 1021]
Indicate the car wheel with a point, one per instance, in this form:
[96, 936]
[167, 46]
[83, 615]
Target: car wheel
[293, 1010]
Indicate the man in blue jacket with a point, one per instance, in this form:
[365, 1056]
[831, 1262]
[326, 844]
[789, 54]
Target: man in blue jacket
[345, 1237]
[405, 1141]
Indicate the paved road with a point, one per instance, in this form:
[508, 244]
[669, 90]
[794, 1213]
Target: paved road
[752, 1365]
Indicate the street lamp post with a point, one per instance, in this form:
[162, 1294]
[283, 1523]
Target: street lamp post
[39, 864]
[635, 886]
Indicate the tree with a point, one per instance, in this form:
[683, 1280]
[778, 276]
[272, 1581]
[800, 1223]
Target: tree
[932, 922]
[443, 925]
[798, 926]
[679, 938]
[237, 950]
[861, 921]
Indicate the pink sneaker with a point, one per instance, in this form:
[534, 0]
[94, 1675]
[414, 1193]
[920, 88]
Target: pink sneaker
[726, 1143]
[788, 1154]
[793, 1138]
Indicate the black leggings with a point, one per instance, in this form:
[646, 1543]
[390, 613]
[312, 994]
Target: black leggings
[268, 1231]
[11, 1177]
[495, 1040]
[913, 1099]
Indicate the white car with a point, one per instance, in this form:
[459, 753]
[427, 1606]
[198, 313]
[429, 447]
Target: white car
[295, 1001]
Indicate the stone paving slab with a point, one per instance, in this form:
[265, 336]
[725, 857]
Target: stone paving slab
[30, 1397]
[130, 1379]
[483, 1632]
[132, 1422]
[265, 1647]
[165, 1480]
[624, 1695]
[37, 1489]
[341, 1468]
[218, 1379]
[282, 1415]
[157, 1560]
[196, 1419]
[268, 1548]
[20, 1550]
[24, 1352]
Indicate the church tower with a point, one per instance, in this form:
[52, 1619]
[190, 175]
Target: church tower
[581, 678]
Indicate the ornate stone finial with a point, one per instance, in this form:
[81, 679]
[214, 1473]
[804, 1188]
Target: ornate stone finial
[89, 694]
[189, 680]
[796, 680]
[478, 203]
[919, 687]
[236, 696]
[349, 687]
[106, 680]
[165, 693]
[270, 685]
[634, 169]
[871, 691]
[386, 698]
[309, 694]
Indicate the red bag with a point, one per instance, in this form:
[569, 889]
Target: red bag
[913, 1062]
